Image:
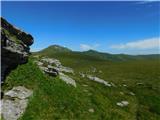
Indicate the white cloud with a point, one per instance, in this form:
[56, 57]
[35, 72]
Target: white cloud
[85, 47]
[141, 44]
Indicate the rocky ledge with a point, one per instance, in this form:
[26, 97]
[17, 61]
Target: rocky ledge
[14, 47]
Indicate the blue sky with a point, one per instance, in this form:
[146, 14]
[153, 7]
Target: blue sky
[114, 27]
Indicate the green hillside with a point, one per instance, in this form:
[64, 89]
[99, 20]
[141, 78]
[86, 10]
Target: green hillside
[120, 57]
[54, 49]
[54, 99]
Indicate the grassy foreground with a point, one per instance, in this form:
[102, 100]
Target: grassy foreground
[54, 99]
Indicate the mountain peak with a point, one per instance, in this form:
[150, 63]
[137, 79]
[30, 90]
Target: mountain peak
[91, 51]
[55, 48]
[58, 47]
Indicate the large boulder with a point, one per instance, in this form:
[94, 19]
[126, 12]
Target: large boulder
[15, 102]
[14, 47]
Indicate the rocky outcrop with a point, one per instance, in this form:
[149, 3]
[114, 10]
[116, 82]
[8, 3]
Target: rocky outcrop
[53, 67]
[15, 102]
[14, 47]
[14, 31]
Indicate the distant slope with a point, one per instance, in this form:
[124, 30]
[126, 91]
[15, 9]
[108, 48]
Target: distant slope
[120, 57]
[56, 50]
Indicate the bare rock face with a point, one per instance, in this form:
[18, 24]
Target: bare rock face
[15, 102]
[14, 47]
[14, 31]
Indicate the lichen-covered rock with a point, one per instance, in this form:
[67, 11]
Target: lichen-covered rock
[14, 47]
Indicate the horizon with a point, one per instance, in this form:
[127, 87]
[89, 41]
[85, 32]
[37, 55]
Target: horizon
[111, 27]
[94, 51]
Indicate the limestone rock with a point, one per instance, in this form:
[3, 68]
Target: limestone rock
[15, 102]
[91, 110]
[82, 74]
[19, 92]
[131, 93]
[98, 80]
[64, 69]
[51, 61]
[123, 103]
[67, 79]
[52, 66]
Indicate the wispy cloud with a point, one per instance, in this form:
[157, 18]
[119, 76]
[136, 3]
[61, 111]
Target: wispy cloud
[85, 47]
[140, 44]
[146, 1]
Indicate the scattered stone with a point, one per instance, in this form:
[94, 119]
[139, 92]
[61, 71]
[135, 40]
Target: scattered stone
[131, 93]
[122, 93]
[99, 80]
[124, 85]
[67, 79]
[123, 103]
[15, 102]
[85, 85]
[82, 75]
[139, 83]
[91, 110]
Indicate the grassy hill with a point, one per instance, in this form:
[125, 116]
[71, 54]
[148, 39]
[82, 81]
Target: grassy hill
[53, 99]
[54, 49]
